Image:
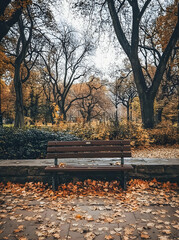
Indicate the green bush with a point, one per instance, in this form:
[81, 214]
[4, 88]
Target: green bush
[29, 143]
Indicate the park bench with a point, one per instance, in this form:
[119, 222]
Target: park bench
[88, 149]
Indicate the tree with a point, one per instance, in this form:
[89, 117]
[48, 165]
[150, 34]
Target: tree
[4, 66]
[23, 44]
[10, 11]
[48, 105]
[92, 99]
[128, 18]
[65, 62]
[126, 92]
[168, 88]
[18, 78]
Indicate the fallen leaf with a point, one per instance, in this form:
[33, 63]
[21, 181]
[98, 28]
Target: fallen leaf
[117, 229]
[56, 235]
[150, 225]
[145, 235]
[89, 218]
[163, 237]
[108, 219]
[89, 236]
[176, 226]
[166, 231]
[159, 227]
[108, 237]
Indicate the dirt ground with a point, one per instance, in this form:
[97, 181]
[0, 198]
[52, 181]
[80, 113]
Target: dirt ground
[157, 152]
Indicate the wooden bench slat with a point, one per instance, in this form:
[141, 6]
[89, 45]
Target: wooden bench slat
[87, 149]
[89, 155]
[89, 168]
[92, 143]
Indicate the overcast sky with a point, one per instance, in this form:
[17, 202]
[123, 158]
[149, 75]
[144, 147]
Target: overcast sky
[105, 56]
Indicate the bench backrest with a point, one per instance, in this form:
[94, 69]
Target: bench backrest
[89, 149]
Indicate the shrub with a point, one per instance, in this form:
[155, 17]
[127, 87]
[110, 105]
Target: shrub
[102, 131]
[164, 133]
[29, 143]
[132, 131]
[93, 131]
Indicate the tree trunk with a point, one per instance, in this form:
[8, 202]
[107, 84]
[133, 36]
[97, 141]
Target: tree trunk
[147, 111]
[63, 114]
[130, 107]
[159, 115]
[88, 118]
[19, 108]
[1, 120]
[116, 117]
[178, 110]
[128, 112]
[146, 99]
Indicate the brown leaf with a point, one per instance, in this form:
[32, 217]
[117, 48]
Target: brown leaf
[89, 236]
[56, 235]
[78, 216]
[166, 231]
[176, 226]
[89, 218]
[145, 235]
[108, 237]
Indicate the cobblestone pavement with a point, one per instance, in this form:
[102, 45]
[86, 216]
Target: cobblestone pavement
[144, 211]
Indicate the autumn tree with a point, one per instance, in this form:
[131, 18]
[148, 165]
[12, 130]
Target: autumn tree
[92, 99]
[126, 91]
[10, 11]
[4, 66]
[65, 62]
[128, 17]
[168, 91]
[23, 44]
[47, 105]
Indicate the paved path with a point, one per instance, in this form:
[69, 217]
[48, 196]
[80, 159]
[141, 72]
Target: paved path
[47, 162]
[139, 213]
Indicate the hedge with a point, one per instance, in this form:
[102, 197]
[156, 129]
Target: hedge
[29, 143]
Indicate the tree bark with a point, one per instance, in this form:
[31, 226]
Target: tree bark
[146, 94]
[128, 112]
[1, 117]
[159, 115]
[147, 111]
[63, 113]
[19, 107]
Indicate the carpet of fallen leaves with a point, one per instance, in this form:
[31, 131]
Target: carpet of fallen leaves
[89, 210]
[157, 152]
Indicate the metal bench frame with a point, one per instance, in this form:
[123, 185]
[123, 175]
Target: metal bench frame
[88, 149]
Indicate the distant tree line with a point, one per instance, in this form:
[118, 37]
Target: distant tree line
[45, 67]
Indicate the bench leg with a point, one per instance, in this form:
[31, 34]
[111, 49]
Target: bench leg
[123, 181]
[54, 182]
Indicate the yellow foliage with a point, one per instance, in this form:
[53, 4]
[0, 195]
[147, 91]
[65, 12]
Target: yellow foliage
[13, 7]
[165, 133]
[166, 24]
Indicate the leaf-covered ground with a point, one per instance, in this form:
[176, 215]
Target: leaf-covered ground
[157, 152]
[89, 210]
